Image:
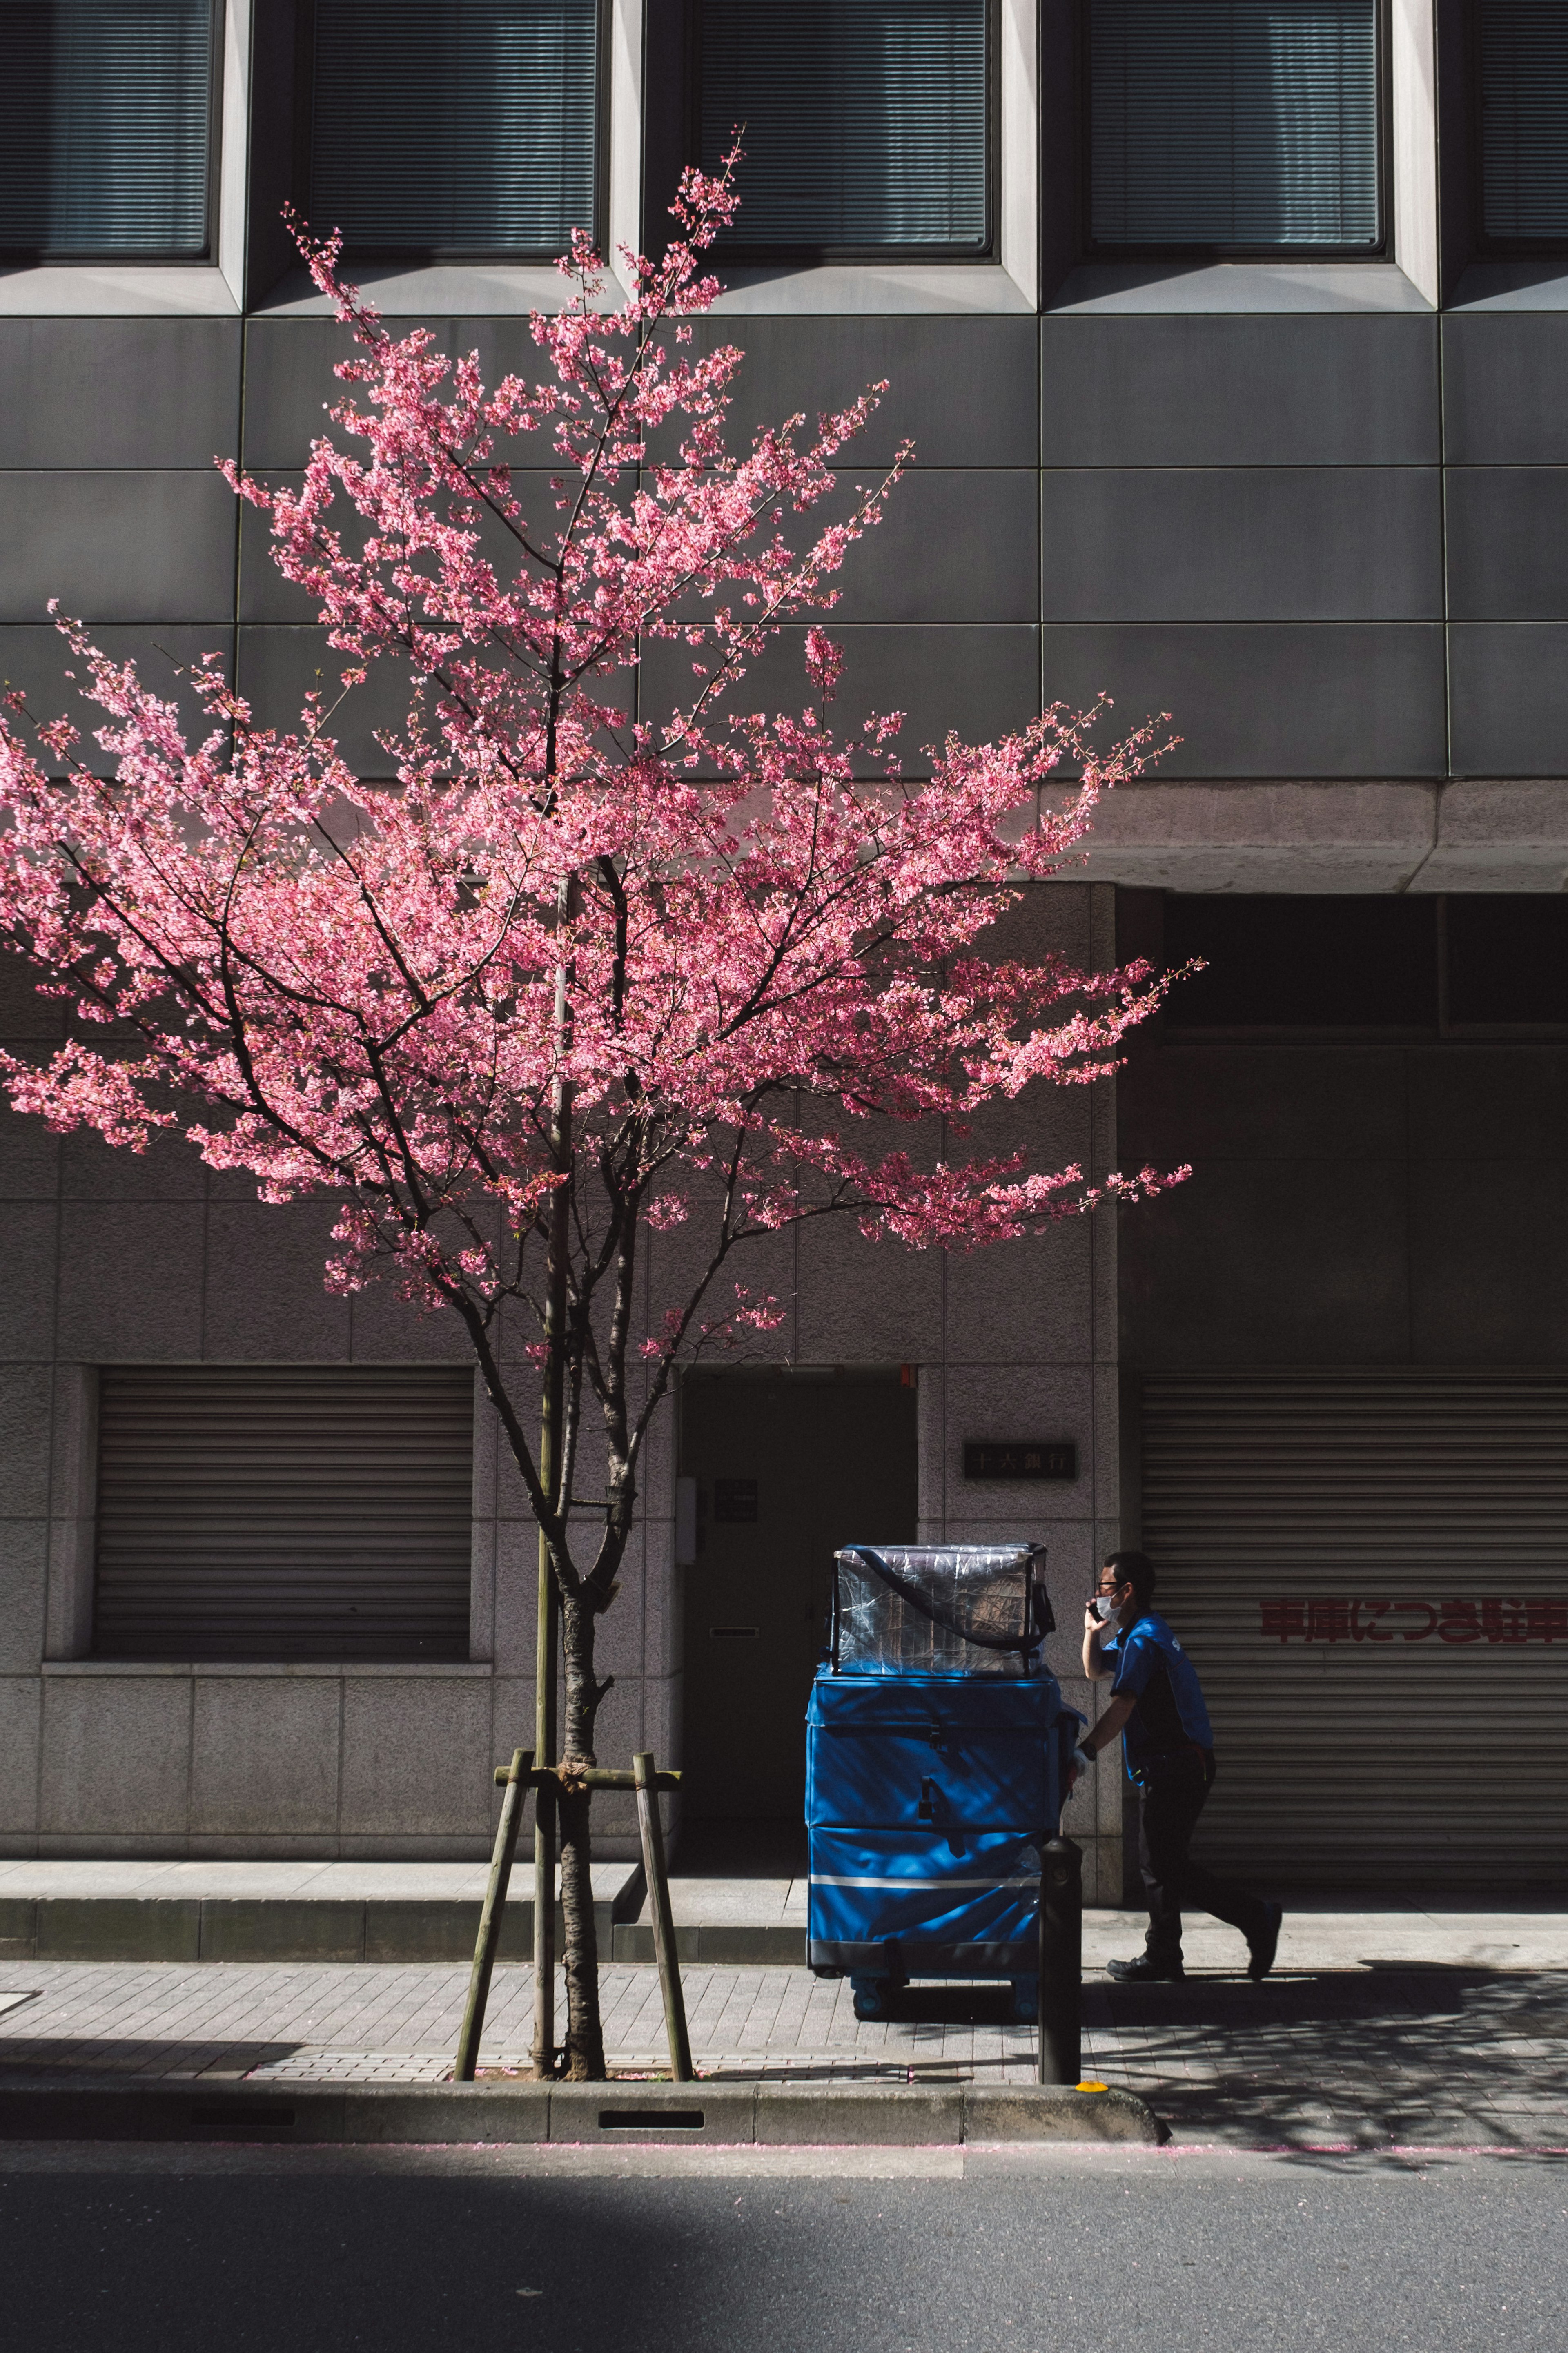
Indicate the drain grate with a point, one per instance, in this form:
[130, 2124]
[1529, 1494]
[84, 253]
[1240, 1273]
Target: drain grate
[638, 2119]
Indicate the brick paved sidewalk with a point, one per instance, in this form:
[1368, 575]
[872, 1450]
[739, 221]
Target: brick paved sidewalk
[1454, 2055]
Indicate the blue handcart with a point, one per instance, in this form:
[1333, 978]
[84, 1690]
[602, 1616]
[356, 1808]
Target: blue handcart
[936, 1753]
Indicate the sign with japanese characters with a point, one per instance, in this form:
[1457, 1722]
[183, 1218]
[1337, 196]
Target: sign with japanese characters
[1529, 1618]
[1023, 1457]
[735, 1501]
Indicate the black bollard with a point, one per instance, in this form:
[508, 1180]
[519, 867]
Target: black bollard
[1061, 1961]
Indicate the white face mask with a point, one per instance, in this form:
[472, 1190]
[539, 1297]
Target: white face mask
[1105, 1606]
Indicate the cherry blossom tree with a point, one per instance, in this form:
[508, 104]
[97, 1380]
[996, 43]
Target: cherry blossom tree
[569, 971]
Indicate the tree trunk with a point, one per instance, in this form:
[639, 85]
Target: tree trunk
[584, 2056]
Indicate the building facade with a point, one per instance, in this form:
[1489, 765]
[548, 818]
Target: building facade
[1232, 343]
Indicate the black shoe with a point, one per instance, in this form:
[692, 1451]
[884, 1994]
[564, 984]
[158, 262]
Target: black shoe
[1146, 1971]
[1265, 1944]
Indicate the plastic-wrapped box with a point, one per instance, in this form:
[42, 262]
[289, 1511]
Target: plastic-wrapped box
[940, 1609]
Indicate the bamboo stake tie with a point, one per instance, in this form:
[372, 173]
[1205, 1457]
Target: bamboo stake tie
[647, 1782]
[588, 1777]
[517, 1776]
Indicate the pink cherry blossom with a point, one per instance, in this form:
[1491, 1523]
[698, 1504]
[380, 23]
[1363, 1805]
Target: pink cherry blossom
[584, 957]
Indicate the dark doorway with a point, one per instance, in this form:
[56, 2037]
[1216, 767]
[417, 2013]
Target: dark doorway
[788, 1466]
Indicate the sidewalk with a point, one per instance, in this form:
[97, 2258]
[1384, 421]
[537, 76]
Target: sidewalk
[1379, 2026]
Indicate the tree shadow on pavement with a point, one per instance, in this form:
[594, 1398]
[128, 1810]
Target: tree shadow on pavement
[1446, 2056]
[146, 2061]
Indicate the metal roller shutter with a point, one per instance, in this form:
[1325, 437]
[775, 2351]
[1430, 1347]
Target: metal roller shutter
[1370, 1572]
[284, 1512]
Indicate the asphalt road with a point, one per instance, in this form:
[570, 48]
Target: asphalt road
[1230, 2252]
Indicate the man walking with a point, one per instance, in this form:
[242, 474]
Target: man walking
[1157, 1702]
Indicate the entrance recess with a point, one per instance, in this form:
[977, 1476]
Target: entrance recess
[789, 1466]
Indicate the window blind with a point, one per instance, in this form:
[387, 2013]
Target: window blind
[1524, 120]
[455, 126]
[864, 120]
[284, 1512]
[1249, 124]
[105, 115]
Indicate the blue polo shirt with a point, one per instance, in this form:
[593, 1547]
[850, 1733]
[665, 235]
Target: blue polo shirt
[1153, 1669]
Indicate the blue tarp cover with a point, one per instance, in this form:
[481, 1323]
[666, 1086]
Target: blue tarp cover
[968, 1900]
[927, 1797]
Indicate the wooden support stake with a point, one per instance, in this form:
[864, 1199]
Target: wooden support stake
[664, 1952]
[516, 1778]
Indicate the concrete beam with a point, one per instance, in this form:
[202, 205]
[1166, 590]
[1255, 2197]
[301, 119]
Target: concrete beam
[1311, 836]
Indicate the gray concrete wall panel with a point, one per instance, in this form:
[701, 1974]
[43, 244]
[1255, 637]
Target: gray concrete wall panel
[36, 659]
[29, 1154]
[24, 1014]
[1251, 1102]
[1268, 700]
[981, 681]
[416, 1756]
[278, 667]
[950, 547]
[963, 390]
[1507, 543]
[116, 546]
[25, 1404]
[147, 393]
[266, 597]
[385, 1330]
[1457, 1153]
[170, 1169]
[1509, 683]
[290, 384]
[1243, 543]
[861, 1303]
[24, 1586]
[1503, 375]
[264, 1300]
[1024, 1300]
[116, 1760]
[1489, 1261]
[1270, 1262]
[131, 1283]
[1259, 391]
[21, 1708]
[27, 1281]
[264, 1756]
[1489, 1102]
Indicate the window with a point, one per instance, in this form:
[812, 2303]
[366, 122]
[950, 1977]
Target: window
[1235, 125]
[1523, 91]
[283, 1511]
[106, 112]
[454, 126]
[1303, 962]
[865, 122]
[1507, 960]
[1451, 963]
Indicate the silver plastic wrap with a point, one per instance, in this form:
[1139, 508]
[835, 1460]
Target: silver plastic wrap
[940, 1609]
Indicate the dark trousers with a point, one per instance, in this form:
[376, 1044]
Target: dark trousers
[1171, 1798]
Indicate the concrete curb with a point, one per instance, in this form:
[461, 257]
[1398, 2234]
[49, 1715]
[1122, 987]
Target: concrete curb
[838, 2114]
[722, 1943]
[278, 1929]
